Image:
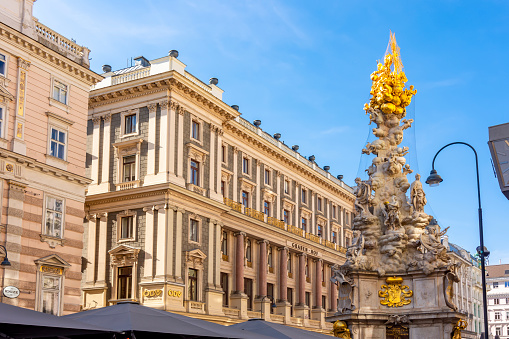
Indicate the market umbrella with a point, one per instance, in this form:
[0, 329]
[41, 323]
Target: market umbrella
[277, 330]
[18, 322]
[141, 321]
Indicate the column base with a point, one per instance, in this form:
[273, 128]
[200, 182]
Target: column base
[239, 301]
[262, 305]
[214, 300]
[284, 308]
[302, 311]
[318, 314]
[19, 146]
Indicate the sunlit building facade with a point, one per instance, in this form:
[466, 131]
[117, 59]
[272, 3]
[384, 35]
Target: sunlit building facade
[44, 85]
[193, 209]
[497, 281]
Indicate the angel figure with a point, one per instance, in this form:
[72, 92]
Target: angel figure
[363, 194]
[430, 240]
[417, 194]
[390, 211]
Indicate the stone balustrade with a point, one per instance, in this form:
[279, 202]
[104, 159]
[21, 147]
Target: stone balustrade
[129, 76]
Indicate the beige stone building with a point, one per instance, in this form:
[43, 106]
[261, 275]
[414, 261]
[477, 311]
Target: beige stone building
[193, 209]
[44, 85]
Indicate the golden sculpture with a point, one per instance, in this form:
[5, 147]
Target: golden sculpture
[387, 90]
[460, 325]
[340, 330]
[395, 293]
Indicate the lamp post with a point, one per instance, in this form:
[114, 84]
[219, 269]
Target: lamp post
[6, 261]
[434, 180]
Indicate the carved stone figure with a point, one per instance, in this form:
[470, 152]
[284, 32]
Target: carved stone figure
[450, 278]
[346, 285]
[430, 240]
[363, 193]
[417, 195]
[390, 211]
[355, 250]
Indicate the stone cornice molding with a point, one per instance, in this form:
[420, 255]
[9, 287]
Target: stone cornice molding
[43, 53]
[168, 81]
[149, 209]
[32, 163]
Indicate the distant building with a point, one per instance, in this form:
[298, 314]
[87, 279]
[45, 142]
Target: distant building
[497, 281]
[468, 291]
[44, 85]
[194, 209]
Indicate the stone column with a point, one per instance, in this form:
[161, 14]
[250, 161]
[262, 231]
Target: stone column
[170, 137]
[213, 291]
[333, 296]
[178, 246]
[278, 195]
[258, 190]
[103, 249]
[218, 256]
[105, 175]
[283, 307]
[151, 153]
[318, 313]
[148, 270]
[96, 153]
[91, 246]
[169, 240]
[312, 223]
[235, 174]
[180, 145]
[219, 161]
[262, 303]
[210, 254]
[301, 309]
[239, 298]
[298, 199]
[162, 242]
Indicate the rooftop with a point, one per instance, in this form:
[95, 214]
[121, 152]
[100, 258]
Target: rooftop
[497, 271]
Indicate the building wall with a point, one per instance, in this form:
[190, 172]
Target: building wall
[165, 201]
[30, 176]
[498, 300]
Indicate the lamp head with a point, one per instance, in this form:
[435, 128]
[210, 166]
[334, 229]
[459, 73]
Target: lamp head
[434, 179]
[6, 262]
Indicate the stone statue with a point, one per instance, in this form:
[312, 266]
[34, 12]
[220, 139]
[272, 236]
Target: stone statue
[450, 278]
[390, 212]
[355, 250]
[363, 193]
[345, 283]
[417, 195]
[430, 240]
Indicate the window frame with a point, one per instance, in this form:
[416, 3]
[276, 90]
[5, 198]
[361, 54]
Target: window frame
[123, 115]
[197, 221]
[249, 251]
[198, 138]
[224, 282]
[6, 64]
[3, 120]
[267, 177]
[244, 196]
[266, 208]
[60, 124]
[131, 168]
[224, 153]
[125, 214]
[62, 223]
[303, 224]
[129, 285]
[246, 165]
[224, 243]
[287, 186]
[62, 88]
[124, 149]
[303, 195]
[129, 226]
[319, 204]
[194, 172]
[65, 106]
[192, 280]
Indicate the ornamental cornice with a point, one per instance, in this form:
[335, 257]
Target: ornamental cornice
[169, 81]
[245, 136]
[123, 197]
[41, 52]
[32, 163]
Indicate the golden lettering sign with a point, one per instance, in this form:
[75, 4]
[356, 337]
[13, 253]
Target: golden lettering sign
[395, 293]
[53, 270]
[175, 294]
[152, 293]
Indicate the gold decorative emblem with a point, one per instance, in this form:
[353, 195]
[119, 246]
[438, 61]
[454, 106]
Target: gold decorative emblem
[340, 330]
[460, 325]
[9, 168]
[395, 293]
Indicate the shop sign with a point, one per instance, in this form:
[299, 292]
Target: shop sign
[303, 248]
[11, 292]
[175, 294]
[51, 269]
[152, 293]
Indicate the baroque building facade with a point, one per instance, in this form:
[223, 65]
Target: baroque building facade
[468, 290]
[193, 209]
[44, 85]
[497, 281]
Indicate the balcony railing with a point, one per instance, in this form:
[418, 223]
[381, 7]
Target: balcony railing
[251, 212]
[129, 76]
[127, 185]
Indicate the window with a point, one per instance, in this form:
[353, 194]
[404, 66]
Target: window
[50, 296]
[306, 269]
[193, 284]
[266, 208]
[496, 301]
[269, 257]
[223, 153]
[347, 222]
[245, 166]
[124, 282]
[195, 130]
[334, 237]
[286, 216]
[2, 123]
[507, 303]
[287, 186]
[319, 231]
[245, 199]
[303, 194]
[498, 331]
[195, 173]
[129, 168]
[495, 284]
[304, 223]
[308, 298]
[506, 315]
[248, 250]
[267, 177]
[193, 230]
[506, 283]
[127, 227]
[289, 297]
[57, 143]
[60, 91]
[334, 211]
[324, 302]
[319, 204]
[289, 263]
[248, 290]
[224, 287]
[3, 67]
[270, 295]
[224, 243]
[54, 210]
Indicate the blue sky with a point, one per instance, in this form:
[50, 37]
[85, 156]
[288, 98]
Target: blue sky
[302, 68]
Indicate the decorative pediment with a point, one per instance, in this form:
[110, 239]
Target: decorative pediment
[305, 212]
[52, 260]
[246, 185]
[196, 153]
[226, 175]
[321, 220]
[4, 93]
[127, 147]
[195, 258]
[124, 255]
[268, 195]
[288, 205]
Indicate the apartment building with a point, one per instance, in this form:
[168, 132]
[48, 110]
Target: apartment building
[497, 279]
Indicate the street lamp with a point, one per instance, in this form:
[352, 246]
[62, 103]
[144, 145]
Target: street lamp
[6, 261]
[434, 180]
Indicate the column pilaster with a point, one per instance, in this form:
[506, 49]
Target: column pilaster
[105, 175]
[219, 161]
[103, 250]
[162, 241]
[278, 195]
[96, 135]
[180, 146]
[283, 307]
[151, 153]
[178, 245]
[91, 248]
[235, 174]
[148, 270]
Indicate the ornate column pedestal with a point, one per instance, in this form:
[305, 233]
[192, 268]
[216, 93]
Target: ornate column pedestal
[302, 311]
[239, 301]
[285, 309]
[262, 305]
